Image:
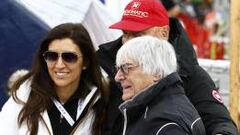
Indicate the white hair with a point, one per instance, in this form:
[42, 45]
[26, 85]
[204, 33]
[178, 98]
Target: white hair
[155, 56]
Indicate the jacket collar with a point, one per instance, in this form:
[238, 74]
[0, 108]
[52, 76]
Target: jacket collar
[175, 31]
[111, 48]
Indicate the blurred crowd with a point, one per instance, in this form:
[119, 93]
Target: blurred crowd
[206, 23]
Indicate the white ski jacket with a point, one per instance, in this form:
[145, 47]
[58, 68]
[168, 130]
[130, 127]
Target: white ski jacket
[11, 110]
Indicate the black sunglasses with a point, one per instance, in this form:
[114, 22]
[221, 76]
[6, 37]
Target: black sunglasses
[68, 57]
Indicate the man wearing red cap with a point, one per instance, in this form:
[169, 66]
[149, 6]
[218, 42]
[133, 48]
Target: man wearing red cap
[148, 17]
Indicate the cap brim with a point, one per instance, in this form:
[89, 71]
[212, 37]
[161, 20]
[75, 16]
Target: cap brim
[130, 26]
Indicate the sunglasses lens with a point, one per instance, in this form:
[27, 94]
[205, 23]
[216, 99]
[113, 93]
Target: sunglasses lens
[50, 56]
[69, 57]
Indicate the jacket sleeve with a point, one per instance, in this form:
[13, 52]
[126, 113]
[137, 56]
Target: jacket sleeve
[215, 115]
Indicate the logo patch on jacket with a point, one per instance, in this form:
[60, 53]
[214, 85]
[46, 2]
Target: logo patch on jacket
[217, 96]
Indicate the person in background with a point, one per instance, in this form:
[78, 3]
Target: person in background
[149, 17]
[172, 8]
[154, 99]
[64, 92]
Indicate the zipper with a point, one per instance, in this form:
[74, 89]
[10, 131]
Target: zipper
[125, 121]
[145, 114]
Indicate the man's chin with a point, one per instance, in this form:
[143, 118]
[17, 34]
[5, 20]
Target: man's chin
[126, 98]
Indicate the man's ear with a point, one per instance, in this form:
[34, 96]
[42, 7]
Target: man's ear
[162, 32]
[165, 32]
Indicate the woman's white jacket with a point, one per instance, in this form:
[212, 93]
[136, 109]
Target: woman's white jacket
[11, 109]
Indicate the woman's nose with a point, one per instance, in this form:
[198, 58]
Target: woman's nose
[59, 63]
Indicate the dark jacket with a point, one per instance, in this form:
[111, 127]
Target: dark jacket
[197, 84]
[162, 109]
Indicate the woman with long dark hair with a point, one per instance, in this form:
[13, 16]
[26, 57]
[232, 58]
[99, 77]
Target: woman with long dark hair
[64, 92]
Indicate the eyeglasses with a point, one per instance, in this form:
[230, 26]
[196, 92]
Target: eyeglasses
[68, 57]
[124, 68]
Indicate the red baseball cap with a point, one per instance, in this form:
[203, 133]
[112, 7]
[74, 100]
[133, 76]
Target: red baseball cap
[140, 15]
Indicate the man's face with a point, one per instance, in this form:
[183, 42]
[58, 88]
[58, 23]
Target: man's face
[160, 32]
[133, 79]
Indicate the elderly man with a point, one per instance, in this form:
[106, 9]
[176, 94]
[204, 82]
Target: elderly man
[148, 17]
[154, 100]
